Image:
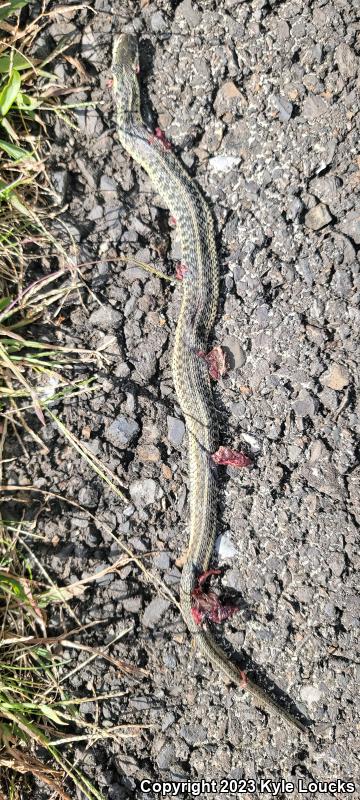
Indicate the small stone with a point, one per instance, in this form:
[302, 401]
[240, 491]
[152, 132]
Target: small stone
[95, 213]
[122, 432]
[346, 60]
[144, 492]
[93, 123]
[304, 404]
[176, 431]
[310, 694]
[350, 225]
[224, 547]
[283, 106]
[106, 318]
[194, 734]
[108, 188]
[317, 217]
[239, 408]
[60, 181]
[336, 377]
[223, 163]
[167, 720]
[154, 611]
[132, 605]
[337, 564]
[186, 10]
[325, 188]
[230, 90]
[294, 208]
[235, 355]
[88, 496]
[324, 478]
[314, 107]
[148, 453]
[166, 756]
[162, 561]
[158, 22]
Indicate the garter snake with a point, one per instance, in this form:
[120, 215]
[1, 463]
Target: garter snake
[200, 289]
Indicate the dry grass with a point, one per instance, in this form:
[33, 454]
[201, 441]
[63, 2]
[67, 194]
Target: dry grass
[35, 710]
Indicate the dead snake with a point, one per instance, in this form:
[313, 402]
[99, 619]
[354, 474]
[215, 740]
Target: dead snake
[200, 289]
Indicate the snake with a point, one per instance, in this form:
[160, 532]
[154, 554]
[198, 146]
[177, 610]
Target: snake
[190, 373]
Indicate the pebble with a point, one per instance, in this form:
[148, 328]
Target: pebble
[223, 163]
[60, 180]
[88, 496]
[154, 611]
[186, 11]
[325, 188]
[158, 22]
[90, 121]
[346, 60]
[122, 432]
[239, 408]
[229, 90]
[324, 478]
[304, 404]
[162, 561]
[108, 188]
[132, 605]
[166, 756]
[96, 213]
[235, 355]
[144, 492]
[176, 431]
[193, 734]
[310, 694]
[284, 107]
[294, 208]
[317, 217]
[350, 225]
[106, 318]
[336, 377]
[224, 547]
[148, 453]
[314, 107]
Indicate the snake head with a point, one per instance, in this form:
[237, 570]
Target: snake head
[125, 67]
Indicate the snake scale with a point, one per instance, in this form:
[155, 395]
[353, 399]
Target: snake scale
[200, 289]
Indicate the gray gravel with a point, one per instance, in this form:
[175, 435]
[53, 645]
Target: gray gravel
[260, 99]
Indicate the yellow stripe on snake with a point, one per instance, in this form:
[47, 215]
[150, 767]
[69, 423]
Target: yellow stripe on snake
[200, 289]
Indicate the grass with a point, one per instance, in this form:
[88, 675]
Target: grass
[35, 710]
[28, 91]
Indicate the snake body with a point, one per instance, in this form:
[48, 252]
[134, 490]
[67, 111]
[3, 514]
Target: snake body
[200, 289]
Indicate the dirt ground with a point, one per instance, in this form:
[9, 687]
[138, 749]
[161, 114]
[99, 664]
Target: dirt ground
[259, 99]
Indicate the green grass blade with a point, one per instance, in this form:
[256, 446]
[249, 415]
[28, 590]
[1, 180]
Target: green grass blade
[10, 92]
[15, 152]
[10, 7]
[14, 60]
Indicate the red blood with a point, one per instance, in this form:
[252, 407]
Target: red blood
[244, 678]
[181, 270]
[162, 138]
[233, 458]
[202, 578]
[207, 605]
[216, 362]
[197, 615]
